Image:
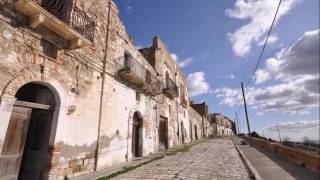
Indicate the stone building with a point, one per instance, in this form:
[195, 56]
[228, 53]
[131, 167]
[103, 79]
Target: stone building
[77, 95]
[221, 125]
[202, 110]
[196, 124]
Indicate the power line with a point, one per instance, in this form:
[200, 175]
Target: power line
[263, 48]
[265, 44]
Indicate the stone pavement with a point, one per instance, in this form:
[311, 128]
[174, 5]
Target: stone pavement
[273, 166]
[213, 159]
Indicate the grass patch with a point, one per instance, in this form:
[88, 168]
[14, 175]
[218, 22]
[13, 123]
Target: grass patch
[129, 168]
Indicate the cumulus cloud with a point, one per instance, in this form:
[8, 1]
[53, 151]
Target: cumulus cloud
[271, 40]
[294, 72]
[259, 14]
[197, 84]
[295, 130]
[181, 63]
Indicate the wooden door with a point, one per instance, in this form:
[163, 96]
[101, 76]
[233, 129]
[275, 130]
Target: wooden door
[163, 142]
[37, 144]
[11, 155]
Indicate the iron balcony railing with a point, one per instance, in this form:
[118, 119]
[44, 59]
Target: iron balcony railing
[171, 88]
[69, 13]
[133, 70]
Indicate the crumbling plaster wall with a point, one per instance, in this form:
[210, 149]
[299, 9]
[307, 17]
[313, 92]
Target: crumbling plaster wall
[196, 120]
[120, 102]
[22, 61]
[74, 143]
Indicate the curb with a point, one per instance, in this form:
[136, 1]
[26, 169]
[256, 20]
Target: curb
[252, 170]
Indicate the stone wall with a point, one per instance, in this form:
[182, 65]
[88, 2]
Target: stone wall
[312, 161]
[75, 76]
[196, 126]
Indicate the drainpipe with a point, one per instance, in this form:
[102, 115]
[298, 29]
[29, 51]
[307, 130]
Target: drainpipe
[102, 88]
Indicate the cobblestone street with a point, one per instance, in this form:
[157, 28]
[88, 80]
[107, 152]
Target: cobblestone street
[214, 159]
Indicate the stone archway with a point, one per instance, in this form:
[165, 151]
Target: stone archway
[31, 127]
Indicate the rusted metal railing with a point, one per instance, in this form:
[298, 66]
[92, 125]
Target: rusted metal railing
[172, 86]
[69, 13]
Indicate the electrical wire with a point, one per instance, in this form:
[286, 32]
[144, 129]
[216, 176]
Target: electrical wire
[262, 51]
[265, 44]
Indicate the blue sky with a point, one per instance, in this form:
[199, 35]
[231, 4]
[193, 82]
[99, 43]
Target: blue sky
[210, 40]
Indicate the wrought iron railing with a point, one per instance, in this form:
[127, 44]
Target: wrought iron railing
[172, 86]
[69, 13]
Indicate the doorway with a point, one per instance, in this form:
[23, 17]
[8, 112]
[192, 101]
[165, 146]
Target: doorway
[195, 132]
[26, 145]
[182, 132]
[163, 133]
[137, 134]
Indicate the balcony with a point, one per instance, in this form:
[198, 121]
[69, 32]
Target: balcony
[183, 101]
[153, 85]
[133, 71]
[62, 17]
[171, 90]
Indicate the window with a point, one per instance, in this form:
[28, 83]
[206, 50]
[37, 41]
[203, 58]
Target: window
[49, 49]
[138, 96]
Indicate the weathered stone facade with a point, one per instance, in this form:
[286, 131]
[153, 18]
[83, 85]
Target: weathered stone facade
[93, 120]
[221, 125]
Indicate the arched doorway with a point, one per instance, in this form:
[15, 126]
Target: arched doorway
[137, 135]
[32, 124]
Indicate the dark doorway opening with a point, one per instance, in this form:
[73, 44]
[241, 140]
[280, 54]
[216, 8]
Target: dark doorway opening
[182, 132]
[163, 133]
[28, 133]
[195, 132]
[191, 134]
[137, 135]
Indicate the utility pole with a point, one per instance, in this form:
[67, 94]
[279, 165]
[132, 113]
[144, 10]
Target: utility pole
[234, 119]
[237, 122]
[245, 108]
[279, 133]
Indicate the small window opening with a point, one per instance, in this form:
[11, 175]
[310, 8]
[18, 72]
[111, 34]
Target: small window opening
[49, 49]
[138, 96]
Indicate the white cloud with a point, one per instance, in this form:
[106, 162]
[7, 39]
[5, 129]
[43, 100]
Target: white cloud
[185, 62]
[260, 15]
[181, 63]
[174, 57]
[295, 130]
[227, 76]
[271, 40]
[295, 75]
[262, 76]
[129, 8]
[197, 84]
[296, 96]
